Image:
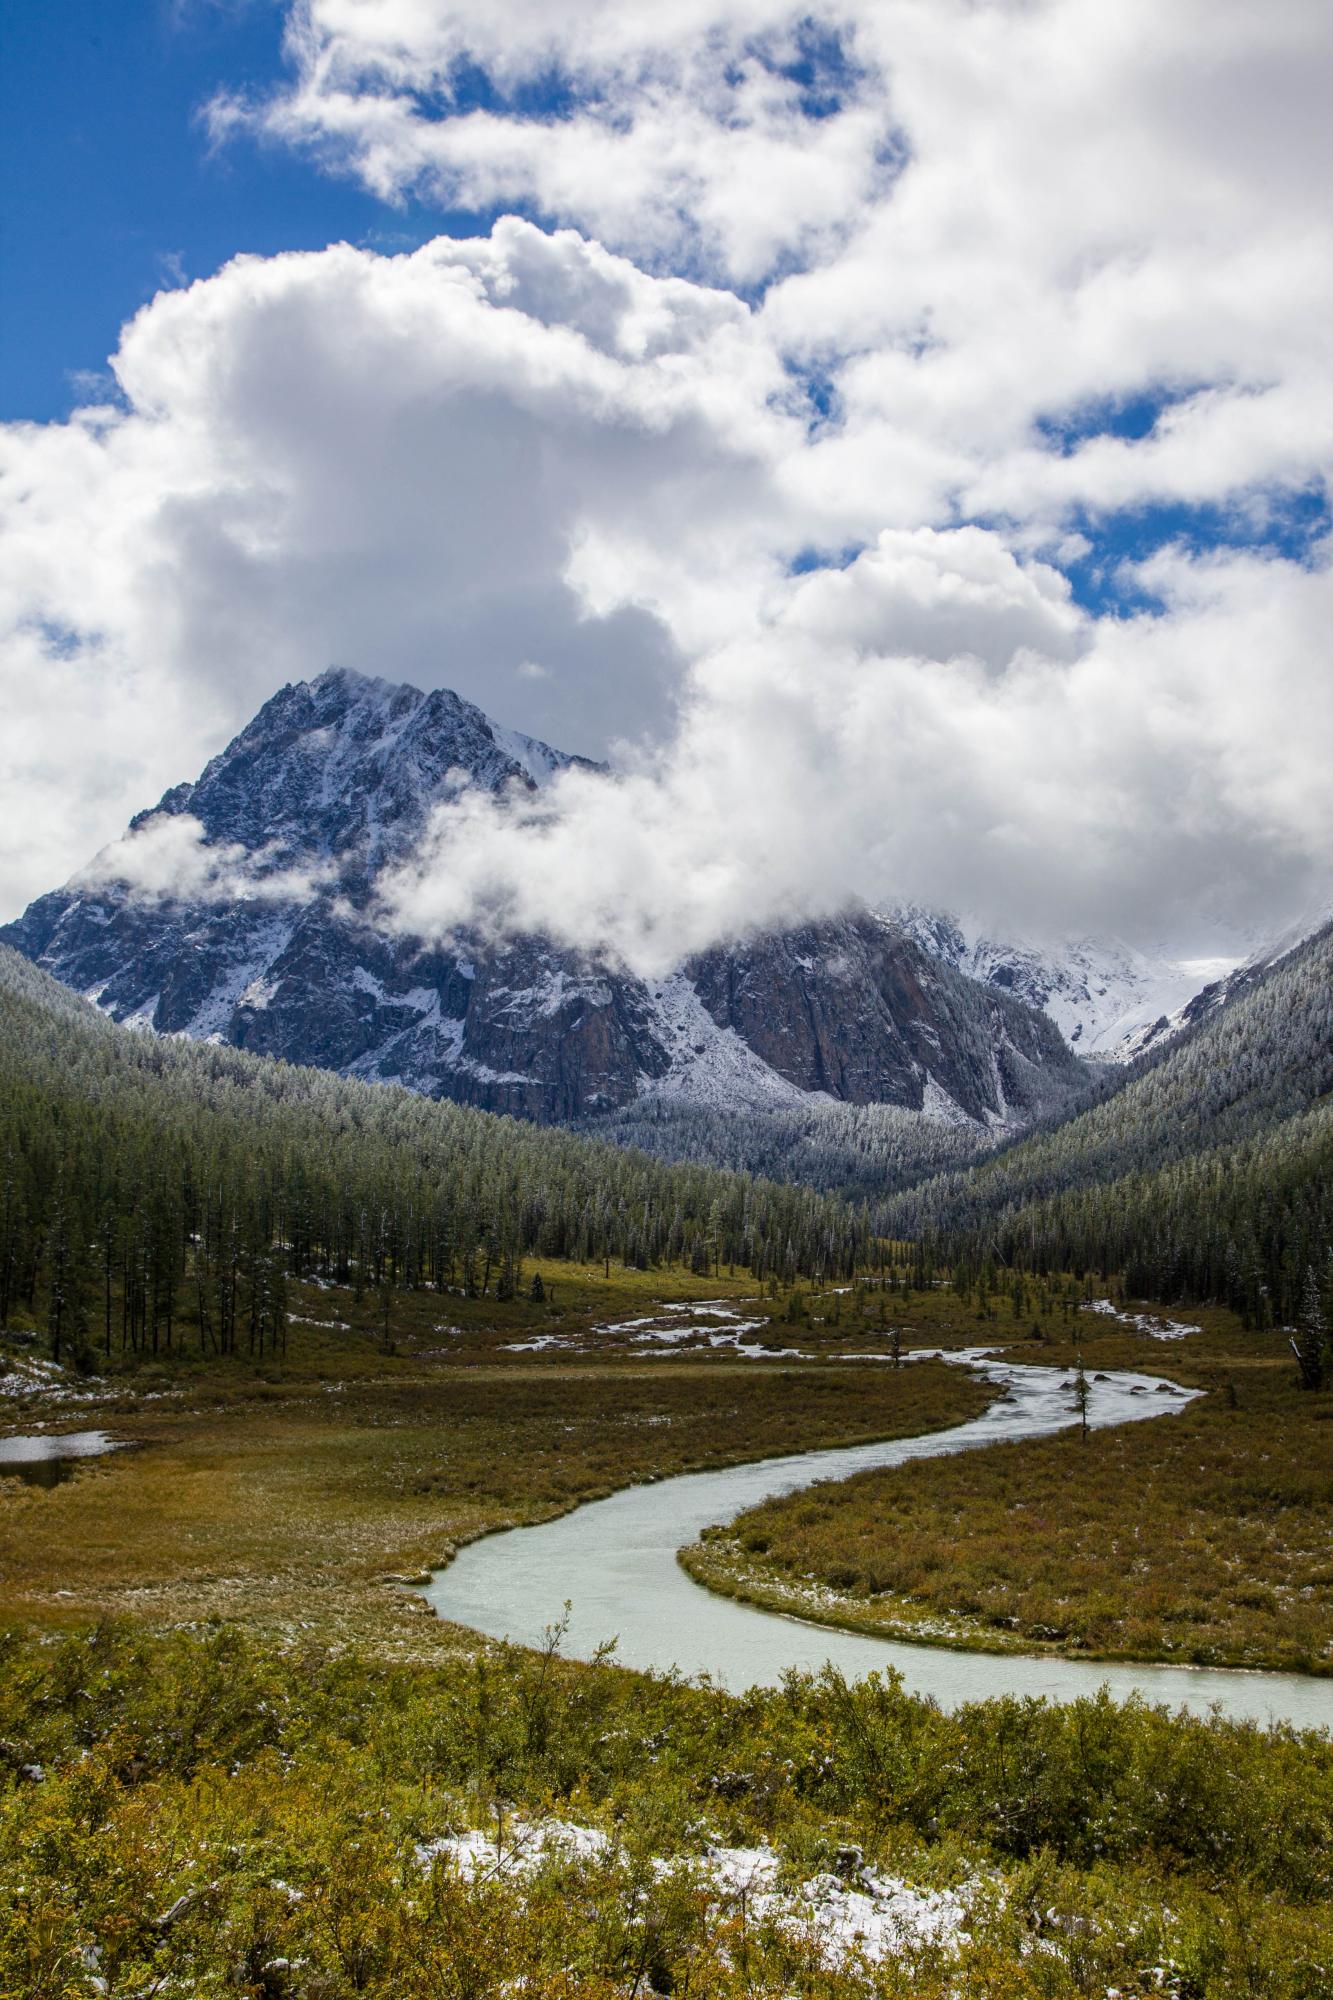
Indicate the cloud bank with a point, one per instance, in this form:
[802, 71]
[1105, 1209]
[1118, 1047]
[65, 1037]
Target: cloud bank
[899, 435]
[1149, 785]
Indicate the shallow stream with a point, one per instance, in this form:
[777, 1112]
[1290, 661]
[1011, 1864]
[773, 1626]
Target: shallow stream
[614, 1562]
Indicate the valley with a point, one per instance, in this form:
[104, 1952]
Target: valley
[221, 1681]
[284, 1492]
[805, 1263]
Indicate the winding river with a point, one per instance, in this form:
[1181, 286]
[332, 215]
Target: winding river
[613, 1562]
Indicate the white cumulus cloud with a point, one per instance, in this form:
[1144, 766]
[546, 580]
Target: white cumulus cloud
[426, 467]
[760, 456]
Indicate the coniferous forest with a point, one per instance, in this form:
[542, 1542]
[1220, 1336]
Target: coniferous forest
[1206, 1175]
[151, 1185]
[157, 1191]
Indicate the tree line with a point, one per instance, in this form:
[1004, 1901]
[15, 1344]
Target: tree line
[152, 1185]
[1208, 1175]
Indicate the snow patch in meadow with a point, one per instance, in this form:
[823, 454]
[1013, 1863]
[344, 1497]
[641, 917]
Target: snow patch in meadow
[515, 1849]
[860, 1917]
[675, 1329]
[854, 1918]
[28, 1376]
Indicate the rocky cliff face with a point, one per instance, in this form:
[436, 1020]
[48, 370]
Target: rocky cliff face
[1109, 1001]
[855, 1009]
[333, 780]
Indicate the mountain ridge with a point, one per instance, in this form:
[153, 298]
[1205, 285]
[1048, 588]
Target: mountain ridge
[332, 781]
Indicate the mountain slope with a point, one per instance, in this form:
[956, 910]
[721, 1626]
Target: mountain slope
[1108, 1000]
[1208, 1171]
[264, 938]
[144, 1162]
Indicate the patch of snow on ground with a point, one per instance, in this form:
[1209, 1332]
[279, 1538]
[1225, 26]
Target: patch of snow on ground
[860, 1916]
[27, 1376]
[853, 1918]
[428, 1045]
[677, 1326]
[516, 1848]
[674, 1329]
[1153, 1324]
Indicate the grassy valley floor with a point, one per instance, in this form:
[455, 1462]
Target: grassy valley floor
[1204, 1538]
[236, 1759]
[283, 1492]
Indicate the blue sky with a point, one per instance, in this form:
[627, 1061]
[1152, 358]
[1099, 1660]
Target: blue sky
[109, 189]
[1055, 292]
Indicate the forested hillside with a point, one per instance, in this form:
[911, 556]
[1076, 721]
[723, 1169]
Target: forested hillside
[154, 1190]
[1210, 1173]
[859, 1151]
[151, 1186]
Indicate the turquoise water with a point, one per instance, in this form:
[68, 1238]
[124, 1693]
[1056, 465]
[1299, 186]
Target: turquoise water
[614, 1563]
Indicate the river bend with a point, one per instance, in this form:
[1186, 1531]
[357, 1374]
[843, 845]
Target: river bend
[614, 1562]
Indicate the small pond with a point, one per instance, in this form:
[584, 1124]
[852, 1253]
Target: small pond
[47, 1460]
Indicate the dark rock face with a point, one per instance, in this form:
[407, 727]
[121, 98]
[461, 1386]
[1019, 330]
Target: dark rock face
[857, 1010]
[336, 778]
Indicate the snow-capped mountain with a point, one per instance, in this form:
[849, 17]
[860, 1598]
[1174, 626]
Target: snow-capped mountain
[260, 933]
[1232, 981]
[1109, 1001]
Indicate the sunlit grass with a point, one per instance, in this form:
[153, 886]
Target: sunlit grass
[284, 1492]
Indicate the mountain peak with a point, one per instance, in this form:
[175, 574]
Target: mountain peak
[278, 951]
[349, 766]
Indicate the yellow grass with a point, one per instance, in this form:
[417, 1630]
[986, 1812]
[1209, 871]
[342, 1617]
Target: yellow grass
[1206, 1537]
[285, 1495]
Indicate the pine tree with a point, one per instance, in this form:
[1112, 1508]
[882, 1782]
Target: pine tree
[1311, 1341]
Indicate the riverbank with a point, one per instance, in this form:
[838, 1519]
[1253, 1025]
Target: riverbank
[1204, 1540]
[284, 1493]
[210, 1812]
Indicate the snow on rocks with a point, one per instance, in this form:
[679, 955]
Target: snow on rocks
[712, 1066]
